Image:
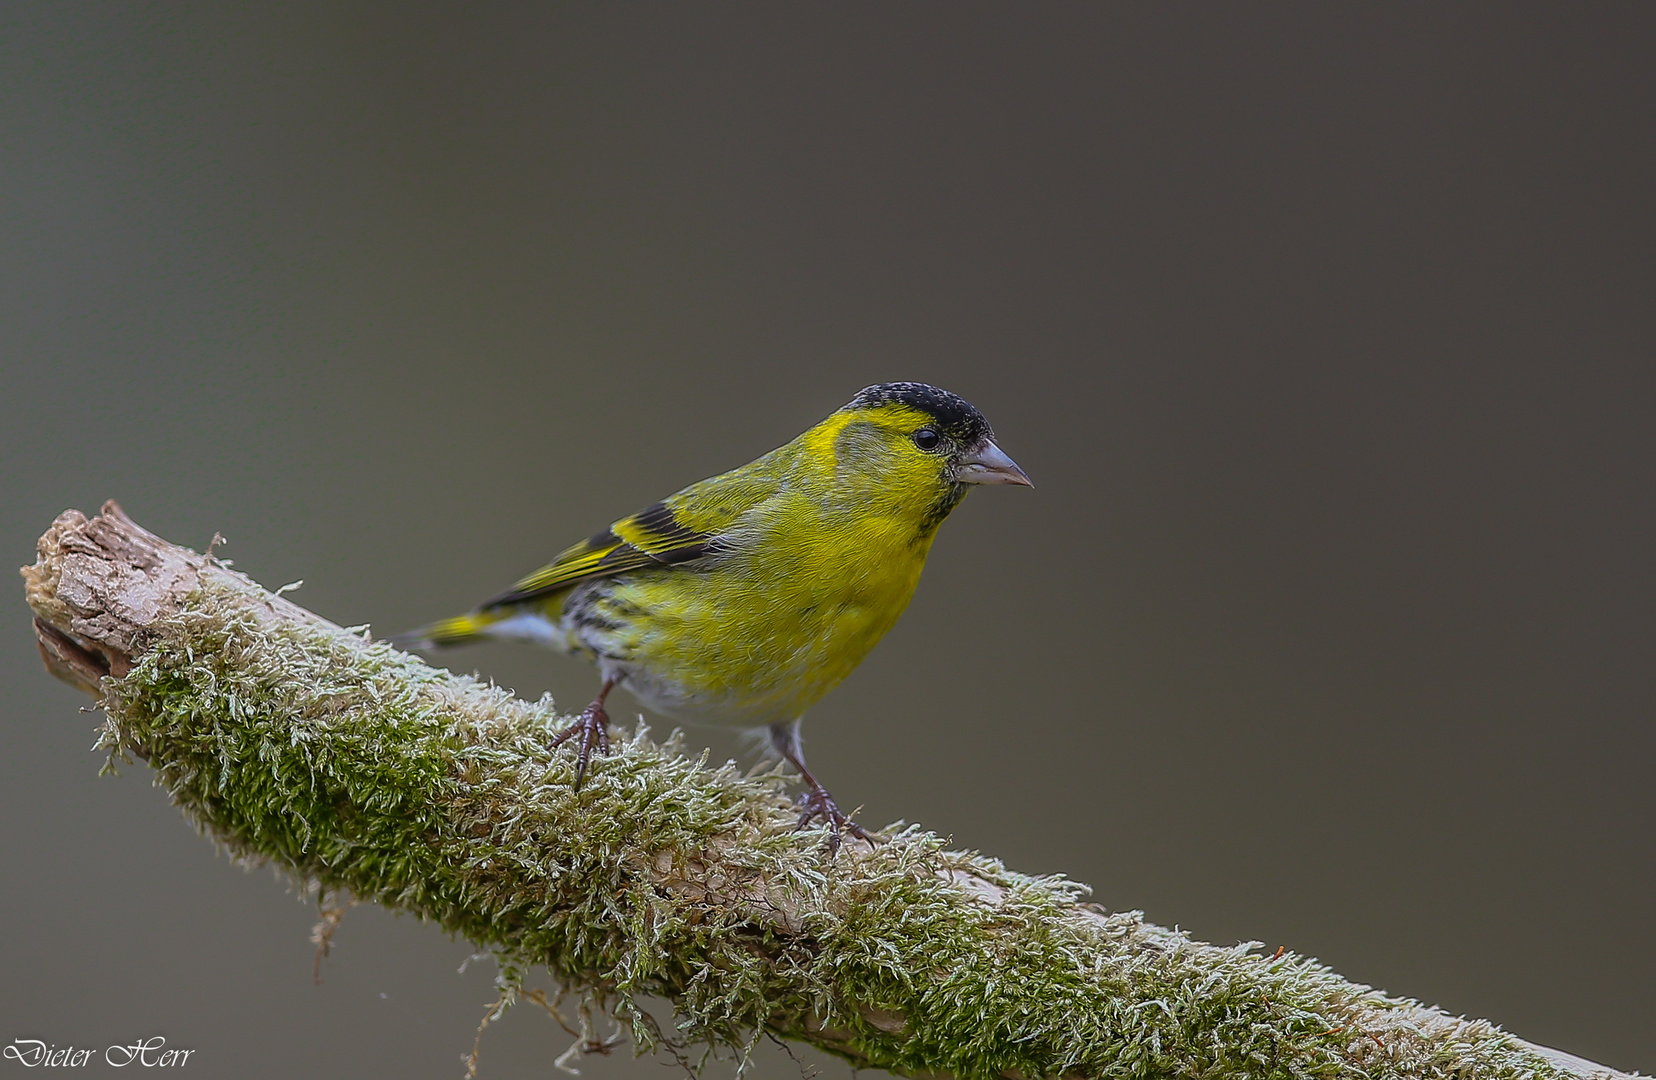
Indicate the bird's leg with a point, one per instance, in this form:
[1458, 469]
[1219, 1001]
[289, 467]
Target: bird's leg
[593, 728]
[816, 802]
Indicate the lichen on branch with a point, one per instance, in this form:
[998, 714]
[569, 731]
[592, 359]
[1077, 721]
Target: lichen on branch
[360, 769]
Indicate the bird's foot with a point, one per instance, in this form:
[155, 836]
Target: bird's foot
[817, 803]
[592, 726]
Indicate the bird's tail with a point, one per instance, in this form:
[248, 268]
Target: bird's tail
[459, 630]
[522, 622]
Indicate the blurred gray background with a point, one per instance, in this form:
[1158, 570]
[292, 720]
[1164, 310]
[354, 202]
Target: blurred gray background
[1325, 331]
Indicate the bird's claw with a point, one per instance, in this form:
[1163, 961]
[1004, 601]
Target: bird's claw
[817, 803]
[593, 728]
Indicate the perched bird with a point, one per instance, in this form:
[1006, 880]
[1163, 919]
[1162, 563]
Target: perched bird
[746, 597]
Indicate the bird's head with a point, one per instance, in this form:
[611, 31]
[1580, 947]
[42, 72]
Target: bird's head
[915, 443]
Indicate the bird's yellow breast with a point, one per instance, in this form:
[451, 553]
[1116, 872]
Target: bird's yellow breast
[770, 629]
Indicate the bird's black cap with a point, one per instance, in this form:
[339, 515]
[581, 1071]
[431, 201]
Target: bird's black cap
[956, 417]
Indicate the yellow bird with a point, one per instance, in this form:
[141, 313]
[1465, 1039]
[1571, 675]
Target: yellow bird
[745, 598]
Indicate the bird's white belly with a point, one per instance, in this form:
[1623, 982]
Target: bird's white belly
[674, 700]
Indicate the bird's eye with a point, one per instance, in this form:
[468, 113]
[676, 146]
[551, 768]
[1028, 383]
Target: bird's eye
[927, 439]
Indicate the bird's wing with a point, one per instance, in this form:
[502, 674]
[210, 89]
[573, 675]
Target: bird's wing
[653, 537]
[680, 529]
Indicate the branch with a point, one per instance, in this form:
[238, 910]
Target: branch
[357, 767]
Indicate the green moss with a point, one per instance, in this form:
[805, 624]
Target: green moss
[360, 768]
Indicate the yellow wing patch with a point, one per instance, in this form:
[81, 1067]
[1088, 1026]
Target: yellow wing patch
[651, 537]
[659, 533]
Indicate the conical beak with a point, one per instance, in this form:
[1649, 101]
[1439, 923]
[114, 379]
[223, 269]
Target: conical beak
[988, 464]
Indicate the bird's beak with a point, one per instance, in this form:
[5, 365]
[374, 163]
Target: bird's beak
[988, 464]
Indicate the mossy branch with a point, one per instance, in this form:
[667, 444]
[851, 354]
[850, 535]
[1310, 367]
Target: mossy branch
[359, 768]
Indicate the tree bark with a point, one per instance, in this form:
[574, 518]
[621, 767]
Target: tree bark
[358, 768]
